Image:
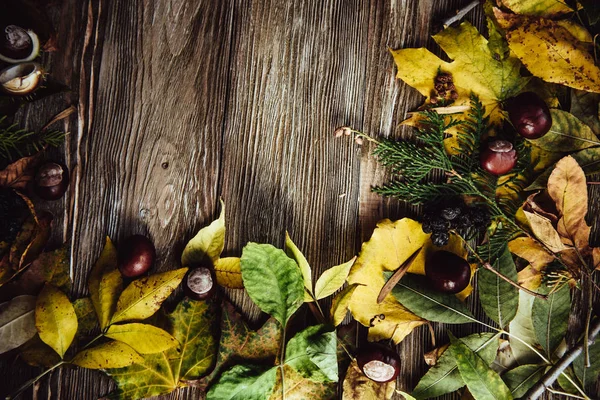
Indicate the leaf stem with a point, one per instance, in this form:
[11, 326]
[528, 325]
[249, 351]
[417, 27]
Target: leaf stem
[30, 382]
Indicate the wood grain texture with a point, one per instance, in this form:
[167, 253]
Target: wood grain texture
[181, 102]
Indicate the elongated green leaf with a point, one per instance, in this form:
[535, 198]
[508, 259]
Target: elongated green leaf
[499, 298]
[550, 317]
[584, 105]
[444, 376]
[312, 352]
[206, 247]
[413, 293]
[588, 376]
[273, 280]
[522, 327]
[105, 284]
[567, 134]
[143, 338]
[107, 355]
[294, 252]
[143, 297]
[17, 322]
[55, 319]
[244, 382]
[483, 382]
[332, 280]
[340, 303]
[520, 379]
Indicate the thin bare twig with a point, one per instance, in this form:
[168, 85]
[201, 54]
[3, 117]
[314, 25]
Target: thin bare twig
[460, 14]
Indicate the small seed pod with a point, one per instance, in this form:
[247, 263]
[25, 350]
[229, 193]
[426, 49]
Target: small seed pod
[199, 283]
[51, 181]
[379, 363]
[499, 157]
[18, 45]
[136, 256]
[21, 79]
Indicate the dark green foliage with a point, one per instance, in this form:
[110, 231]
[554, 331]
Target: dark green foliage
[16, 143]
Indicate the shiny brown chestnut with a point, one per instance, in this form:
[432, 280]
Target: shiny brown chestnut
[378, 362]
[498, 157]
[529, 114]
[136, 256]
[447, 272]
[199, 283]
[51, 181]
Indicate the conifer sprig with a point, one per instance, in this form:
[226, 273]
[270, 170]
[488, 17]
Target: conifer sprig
[16, 142]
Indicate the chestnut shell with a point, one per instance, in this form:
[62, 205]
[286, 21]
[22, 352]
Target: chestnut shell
[51, 181]
[199, 283]
[447, 272]
[529, 114]
[378, 362]
[136, 256]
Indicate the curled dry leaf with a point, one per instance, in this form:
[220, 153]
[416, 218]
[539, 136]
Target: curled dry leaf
[17, 322]
[18, 174]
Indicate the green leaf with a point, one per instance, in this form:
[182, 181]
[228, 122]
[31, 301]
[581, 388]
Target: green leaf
[482, 381]
[340, 303]
[105, 284]
[520, 379]
[444, 376]
[588, 159]
[522, 327]
[143, 297]
[312, 352]
[273, 280]
[332, 279]
[294, 253]
[550, 317]
[585, 107]
[499, 298]
[17, 322]
[55, 319]
[413, 293]
[565, 383]
[112, 354]
[143, 338]
[244, 382]
[405, 395]
[206, 247]
[192, 325]
[568, 134]
[298, 387]
[86, 316]
[588, 376]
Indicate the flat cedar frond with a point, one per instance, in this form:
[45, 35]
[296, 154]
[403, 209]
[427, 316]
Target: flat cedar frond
[16, 143]
[420, 193]
[496, 242]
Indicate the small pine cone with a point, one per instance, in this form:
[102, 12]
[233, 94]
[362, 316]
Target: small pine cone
[439, 87]
[444, 78]
[450, 86]
[454, 95]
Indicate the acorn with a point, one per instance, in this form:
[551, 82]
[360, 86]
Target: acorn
[21, 79]
[51, 181]
[199, 283]
[136, 256]
[378, 362]
[18, 45]
[447, 272]
[499, 157]
[529, 114]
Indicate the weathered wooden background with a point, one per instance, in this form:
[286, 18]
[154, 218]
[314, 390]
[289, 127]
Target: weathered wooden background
[180, 102]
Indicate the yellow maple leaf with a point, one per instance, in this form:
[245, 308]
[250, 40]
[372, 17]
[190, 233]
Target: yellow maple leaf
[538, 8]
[474, 69]
[391, 244]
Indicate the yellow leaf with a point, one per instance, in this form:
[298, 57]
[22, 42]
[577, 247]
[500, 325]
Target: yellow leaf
[567, 187]
[55, 319]
[551, 52]
[358, 387]
[332, 279]
[474, 69]
[530, 250]
[143, 338]
[105, 284]
[544, 231]
[207, 245]
[538, 8]
[143, 297]
[530, 278]
[339, 306]
[391, 244]
[293, 252]
[107, 355]
[229, 273]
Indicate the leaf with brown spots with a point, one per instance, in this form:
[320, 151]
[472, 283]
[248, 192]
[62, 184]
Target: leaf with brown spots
[298, 387]
[358, 387]
[112, 354]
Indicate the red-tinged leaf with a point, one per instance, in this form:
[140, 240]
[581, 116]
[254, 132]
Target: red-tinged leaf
[298, 387]
[18, 174]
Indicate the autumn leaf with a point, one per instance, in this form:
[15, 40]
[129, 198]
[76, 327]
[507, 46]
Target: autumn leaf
[544, 231]
[567, 134]
[474, 69]
[207, 245]
[332, 280]
[358, 387]
[229, 273]
[538, 8]
[298, 387]
[294, 253]
[192, 325]
[17, 322]
[55, 319]
[105, 284]
[38, 354]
[18, 174]
[112, 354]
[143, 297]
[340, 303]
[143, 338]
[86, 315]
[567, 187]
[586, 107]
[550, 51]
[391, 244]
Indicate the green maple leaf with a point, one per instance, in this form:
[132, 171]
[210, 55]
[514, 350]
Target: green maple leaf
[192, 324]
